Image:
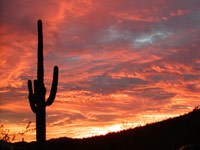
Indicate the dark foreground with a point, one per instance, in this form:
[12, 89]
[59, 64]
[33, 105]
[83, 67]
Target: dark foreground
[171, 134]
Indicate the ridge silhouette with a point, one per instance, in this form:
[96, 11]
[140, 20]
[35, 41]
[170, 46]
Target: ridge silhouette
[179, 133]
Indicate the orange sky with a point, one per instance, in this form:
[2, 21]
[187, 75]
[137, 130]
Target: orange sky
[122, 63]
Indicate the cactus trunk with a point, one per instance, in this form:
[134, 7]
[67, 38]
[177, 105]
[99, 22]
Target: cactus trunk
[37, 97]
[41, 125]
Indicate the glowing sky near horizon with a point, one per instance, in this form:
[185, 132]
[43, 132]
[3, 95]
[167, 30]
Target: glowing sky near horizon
[122, 63]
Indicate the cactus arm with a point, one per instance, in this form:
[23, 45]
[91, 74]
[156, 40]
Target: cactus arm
[36, 90]
[53, 87]
[40, 71]
[31, 97]
[30, 90]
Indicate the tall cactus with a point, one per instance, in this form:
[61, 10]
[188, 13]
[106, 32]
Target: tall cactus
[37, 97]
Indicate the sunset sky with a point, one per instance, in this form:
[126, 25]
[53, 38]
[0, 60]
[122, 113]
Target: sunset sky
[123, 63]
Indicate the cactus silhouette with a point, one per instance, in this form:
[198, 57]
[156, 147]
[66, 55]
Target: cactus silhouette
[37, 97]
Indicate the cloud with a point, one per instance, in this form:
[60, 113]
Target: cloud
[150, 39]
[108, 85]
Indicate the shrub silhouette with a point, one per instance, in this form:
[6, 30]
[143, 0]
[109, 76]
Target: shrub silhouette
[37, 97]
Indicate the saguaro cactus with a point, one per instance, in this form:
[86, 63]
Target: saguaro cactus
[37, 97]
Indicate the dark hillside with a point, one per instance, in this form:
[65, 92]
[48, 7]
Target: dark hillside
[170, 134]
